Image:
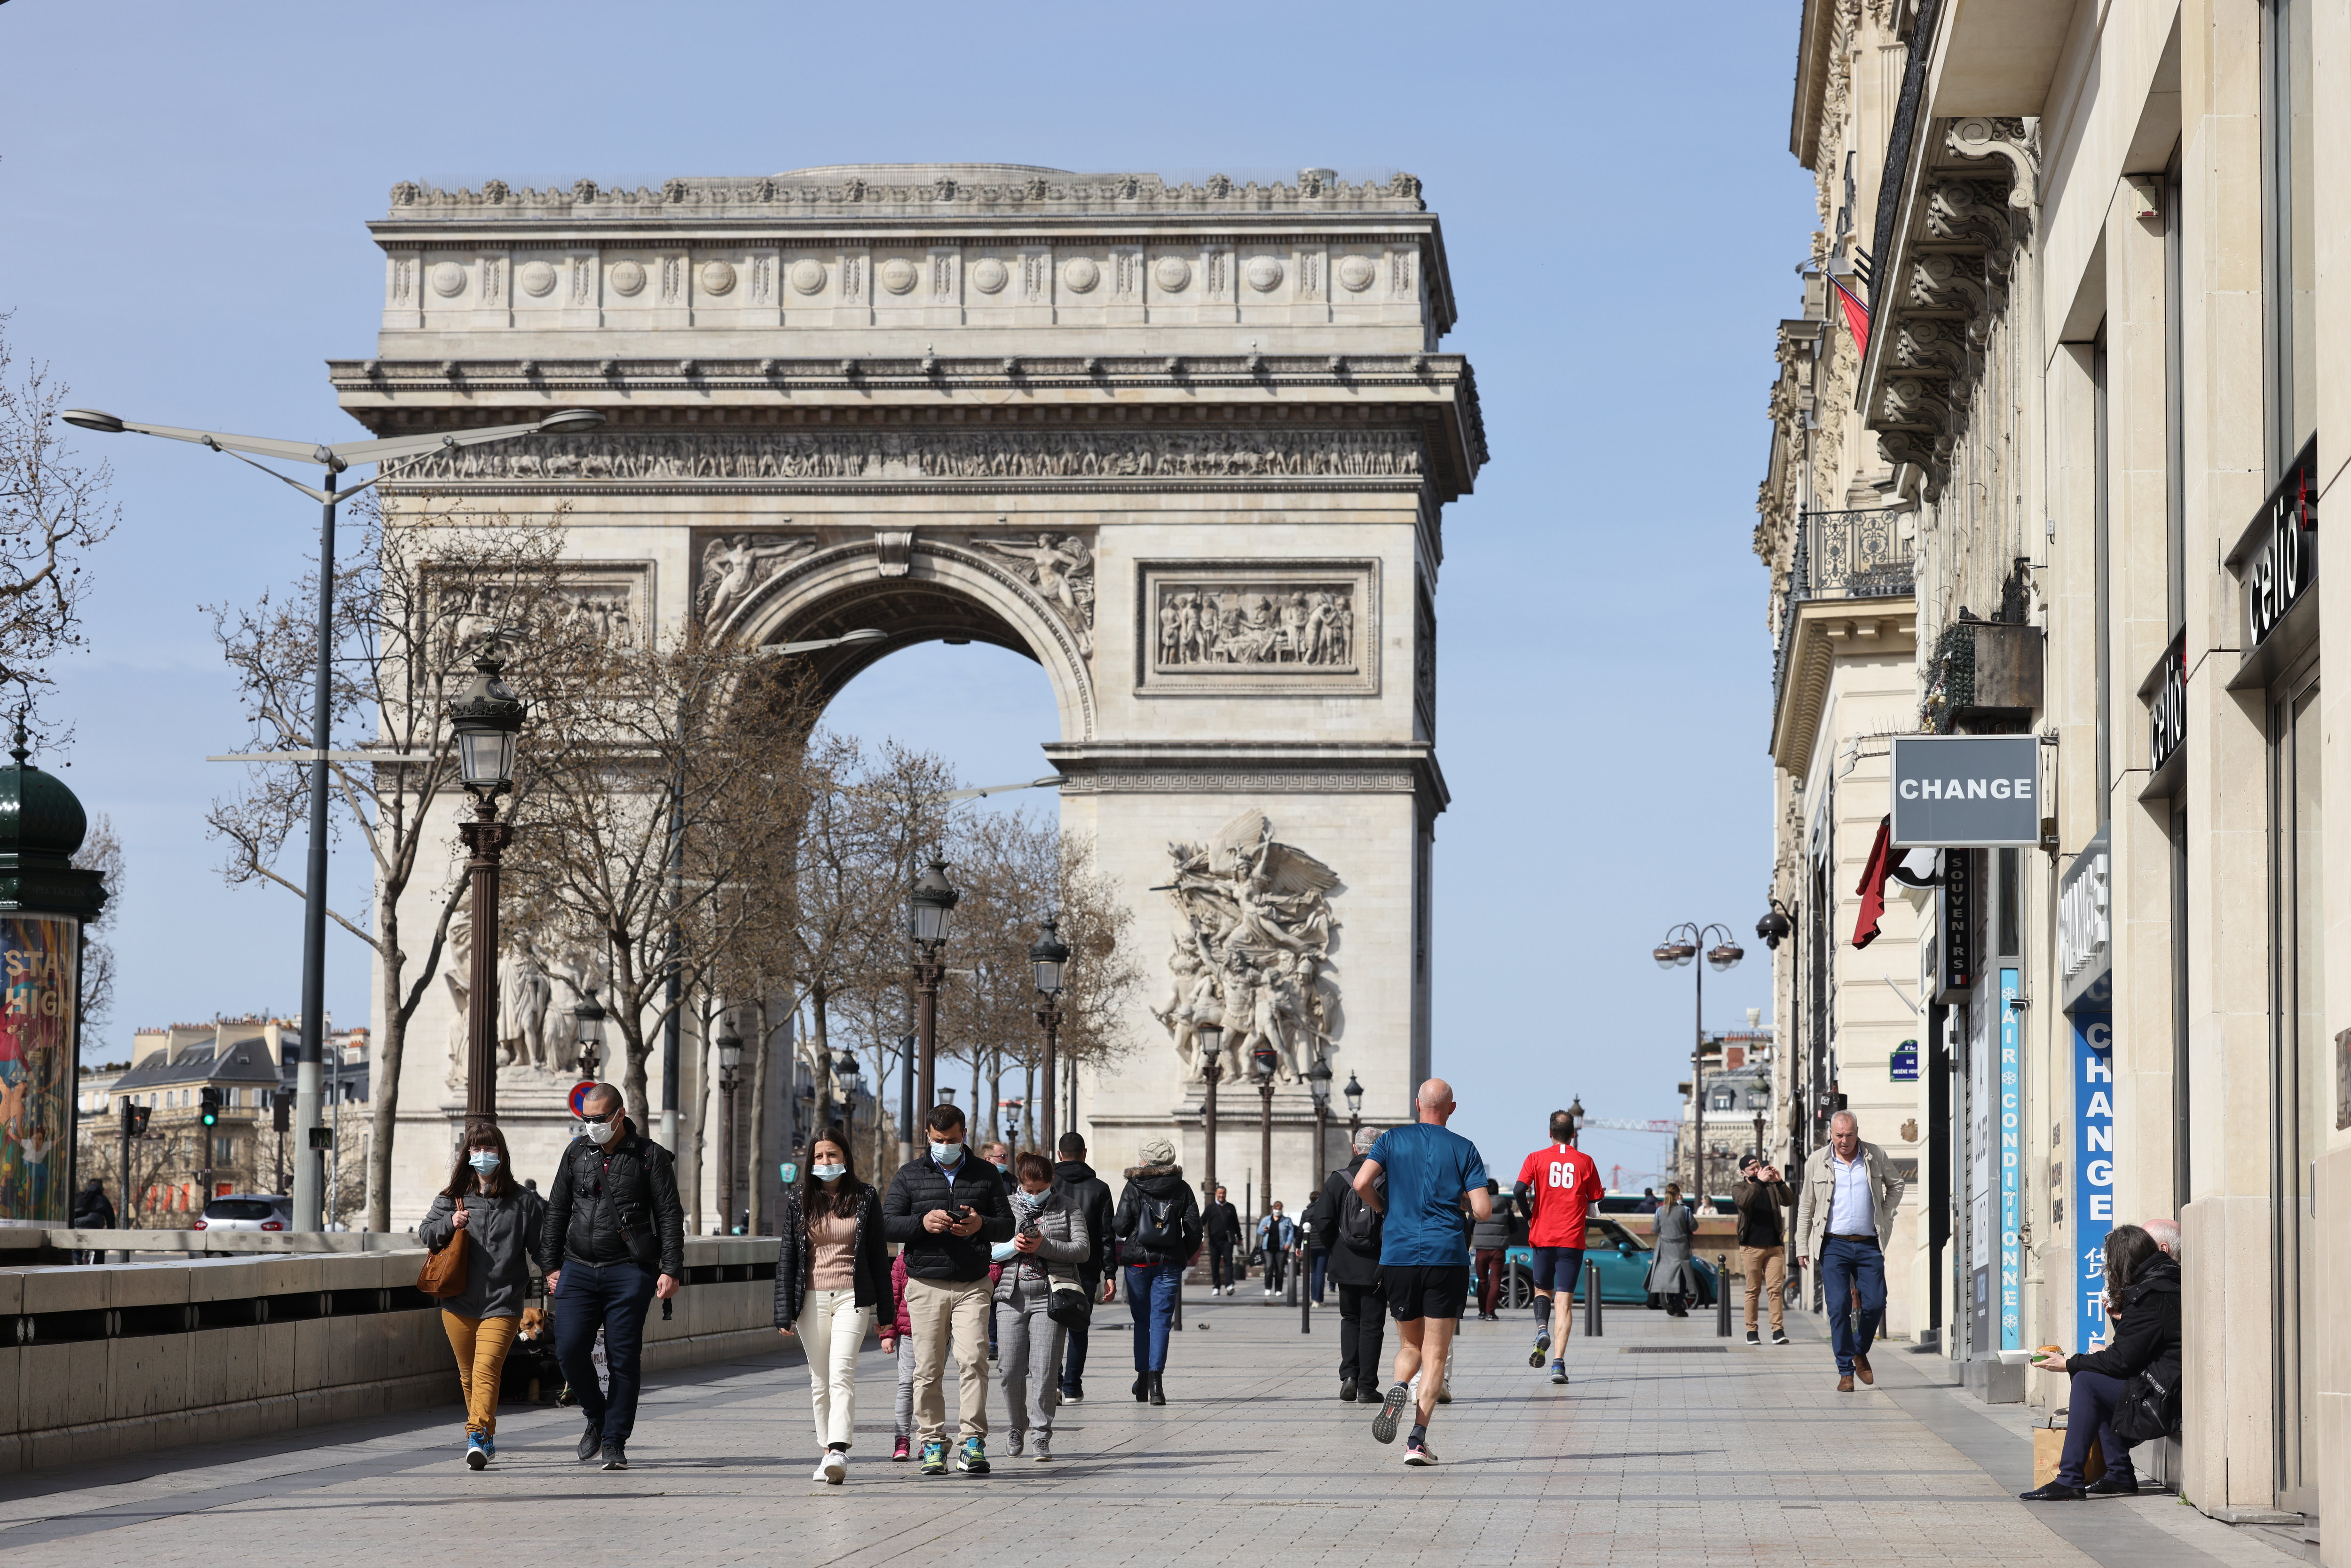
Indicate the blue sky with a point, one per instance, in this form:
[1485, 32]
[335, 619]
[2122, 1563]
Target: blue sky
[186, 190]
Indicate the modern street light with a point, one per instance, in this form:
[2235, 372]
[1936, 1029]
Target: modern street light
[1681, 945]
[932, 900]
[587, 1029]
[1208, 1035]
[1262, 1062]
[486, 718]
[1049, 958]
[1354, 1094]
[390, 456]
[730, 1063]
[1318, 1080]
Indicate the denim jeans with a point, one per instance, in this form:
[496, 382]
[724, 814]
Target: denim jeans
[2090, 1413]
[1845, 1267]
[1151, 1297]
[1317, 1261]
[1073, 1341]
[615, 1297]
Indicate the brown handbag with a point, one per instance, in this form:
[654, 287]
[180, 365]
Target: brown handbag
[444, 1271]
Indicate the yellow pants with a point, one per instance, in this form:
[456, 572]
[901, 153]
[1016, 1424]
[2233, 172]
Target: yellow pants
[1766, 1271]
[481, 1344]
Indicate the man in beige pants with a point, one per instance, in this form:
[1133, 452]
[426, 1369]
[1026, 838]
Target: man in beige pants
[1762, 1200]
[945, 1211]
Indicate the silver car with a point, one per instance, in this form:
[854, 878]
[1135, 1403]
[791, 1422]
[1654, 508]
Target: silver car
[248, 1211]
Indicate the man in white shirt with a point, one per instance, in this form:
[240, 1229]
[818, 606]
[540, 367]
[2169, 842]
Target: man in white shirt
[1846, 1218]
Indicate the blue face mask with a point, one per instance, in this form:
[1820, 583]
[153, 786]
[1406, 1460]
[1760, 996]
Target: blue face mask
[946, 1153]
[829, 1173]
[483, 1160]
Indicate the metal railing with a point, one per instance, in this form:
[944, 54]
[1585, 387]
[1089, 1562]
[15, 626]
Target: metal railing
[1860, 554]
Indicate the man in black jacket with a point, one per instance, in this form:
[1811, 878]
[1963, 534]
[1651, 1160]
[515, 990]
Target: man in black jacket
[616, 1233]
[1355, 1269]
[1222, 1223]
[92, 1210]
[945, 1211]
[1762, 1199]
[1092, 1195]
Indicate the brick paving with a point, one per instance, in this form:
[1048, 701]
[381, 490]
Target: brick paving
[1671, 1448]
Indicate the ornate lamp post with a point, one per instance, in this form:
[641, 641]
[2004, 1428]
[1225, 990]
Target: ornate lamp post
[1354, 1094]
[1262, 1062]
[1318, 1078]
[847, 1079]
[1209, 1032]
[1681, 945]
[932, 900]
[1050, 960]
[587, 1027]
[730, 1062]
[486, 718]
[1778, 925]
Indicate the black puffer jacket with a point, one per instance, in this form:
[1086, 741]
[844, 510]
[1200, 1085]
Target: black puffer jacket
[921, 1187]
[795, 1259]
[603, 1198]
[1160, 1184]
[1090, 1197]
[2145, 1333]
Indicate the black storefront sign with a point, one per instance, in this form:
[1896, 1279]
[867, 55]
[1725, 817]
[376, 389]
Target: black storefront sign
[2284, 562]
[2166, 712]
[1958, 935]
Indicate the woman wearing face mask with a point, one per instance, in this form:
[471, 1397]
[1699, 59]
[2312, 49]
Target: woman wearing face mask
[831, 1274]
[501, 1220]
[1049, 1241]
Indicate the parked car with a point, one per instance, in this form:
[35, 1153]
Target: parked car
[1623, 1259]
[248, 1211]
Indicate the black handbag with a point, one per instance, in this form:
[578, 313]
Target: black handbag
[1071, 1306]
[2149, 1409]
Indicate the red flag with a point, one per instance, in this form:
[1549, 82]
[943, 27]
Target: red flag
[1856, 317]
[1882, 859]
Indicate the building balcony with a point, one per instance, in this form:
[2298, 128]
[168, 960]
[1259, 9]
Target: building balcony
[1850, 587]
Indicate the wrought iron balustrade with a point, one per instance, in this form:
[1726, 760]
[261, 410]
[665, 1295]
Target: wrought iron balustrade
[1858, 554]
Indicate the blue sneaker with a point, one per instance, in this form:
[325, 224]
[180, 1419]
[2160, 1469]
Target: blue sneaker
[935, 1458]
[1559, 1372]
[489, 1447]
[972, 1460]
[475, 1455]
[1542, 1347]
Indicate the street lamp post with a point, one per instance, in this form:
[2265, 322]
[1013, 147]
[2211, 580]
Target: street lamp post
[1262, 1062]
[1354, 1094]
[1778, 925]
[730, 1062]
[587, 1029]
[1681, 945]
[847, 1078]
[1049, 958]
[1318, 1080]
[390, 455]
[1209, 1034]
[486, 718]
[934, 900]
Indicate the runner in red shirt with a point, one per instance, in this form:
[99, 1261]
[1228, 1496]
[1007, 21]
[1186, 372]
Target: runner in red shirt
[1556, 1188]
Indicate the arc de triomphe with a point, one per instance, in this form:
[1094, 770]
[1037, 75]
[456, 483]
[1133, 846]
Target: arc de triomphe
[1186, 447]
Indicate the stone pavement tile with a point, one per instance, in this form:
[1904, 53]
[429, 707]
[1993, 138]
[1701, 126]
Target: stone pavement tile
[1646, 1461]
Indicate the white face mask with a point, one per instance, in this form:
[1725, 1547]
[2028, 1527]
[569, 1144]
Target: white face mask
[829, 1173]
[602, 1132]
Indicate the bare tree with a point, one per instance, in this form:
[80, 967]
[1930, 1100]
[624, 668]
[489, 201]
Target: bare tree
[101, 852]
[426, 592]
[52, 510]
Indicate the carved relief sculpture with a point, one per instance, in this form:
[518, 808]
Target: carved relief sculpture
[734, 565]
[1060, 568]
[1252, 951]
[1254, 627]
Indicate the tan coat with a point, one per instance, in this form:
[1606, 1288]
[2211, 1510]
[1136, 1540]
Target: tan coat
[1820, 1192]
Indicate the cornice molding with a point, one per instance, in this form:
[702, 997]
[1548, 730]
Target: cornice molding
[1827, 630]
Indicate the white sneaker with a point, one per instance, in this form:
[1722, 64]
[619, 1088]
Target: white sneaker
[819, 1476]
[835, 1469]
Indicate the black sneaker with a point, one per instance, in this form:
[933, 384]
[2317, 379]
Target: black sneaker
[1779, 1336]
[2113, 1485]
[1075, 1393]
[616, 1458]
[591, 1441]
[1384, 1425]
[1754, 1337]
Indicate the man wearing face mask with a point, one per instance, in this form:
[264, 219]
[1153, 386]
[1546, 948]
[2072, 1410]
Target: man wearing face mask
[616, 1231]
[945, 1212]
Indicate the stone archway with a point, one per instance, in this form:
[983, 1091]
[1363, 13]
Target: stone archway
[1188, 448]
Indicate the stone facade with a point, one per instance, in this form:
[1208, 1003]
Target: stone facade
[1187, 447]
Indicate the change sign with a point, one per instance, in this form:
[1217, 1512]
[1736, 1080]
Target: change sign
[1967, 792]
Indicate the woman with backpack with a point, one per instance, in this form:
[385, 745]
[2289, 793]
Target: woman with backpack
[1049, 1239]
[500, 1221]
[2139, 1366]
[1340, 1213]
[1159, 1229]
[833, 1273]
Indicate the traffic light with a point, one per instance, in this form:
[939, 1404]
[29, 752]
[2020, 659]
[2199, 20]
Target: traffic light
[281, 1110]
[209, 1110]
[134, 1120]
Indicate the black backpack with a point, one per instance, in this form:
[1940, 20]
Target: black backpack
[1158, 1228]
[1359, 1222]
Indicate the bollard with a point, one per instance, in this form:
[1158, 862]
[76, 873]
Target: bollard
[1592, 1299]
[1305, 1296]
[1722, 1295]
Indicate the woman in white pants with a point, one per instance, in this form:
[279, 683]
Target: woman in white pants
[831, 1274]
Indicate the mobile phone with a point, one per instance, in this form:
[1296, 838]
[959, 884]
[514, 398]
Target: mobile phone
[1031, 1230]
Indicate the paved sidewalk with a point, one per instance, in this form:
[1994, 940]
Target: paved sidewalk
[1671, 1447]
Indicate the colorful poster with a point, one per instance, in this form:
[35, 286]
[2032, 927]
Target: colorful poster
[39, 1029]
[2012, 1155]
[2094, 1167]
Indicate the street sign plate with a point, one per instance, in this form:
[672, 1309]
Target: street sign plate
[579, 1101]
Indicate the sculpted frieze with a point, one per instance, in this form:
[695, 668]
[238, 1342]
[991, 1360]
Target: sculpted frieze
[937, 454]
[1276, 627]
[734, 565]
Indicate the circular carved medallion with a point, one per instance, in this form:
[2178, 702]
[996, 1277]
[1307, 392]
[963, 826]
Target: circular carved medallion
[1171, 273]
[988, 274]
[807, 275]
[537, 279]
[1355, 274]
[897, 275]
[628, 277]
[1264, 274]
[717, 276]
[1082, 274]
[448, 278]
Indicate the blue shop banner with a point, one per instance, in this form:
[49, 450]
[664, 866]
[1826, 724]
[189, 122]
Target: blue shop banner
[2012, 1217]
[2093, 1168]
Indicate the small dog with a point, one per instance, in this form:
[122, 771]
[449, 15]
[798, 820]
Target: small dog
[536, 1324]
